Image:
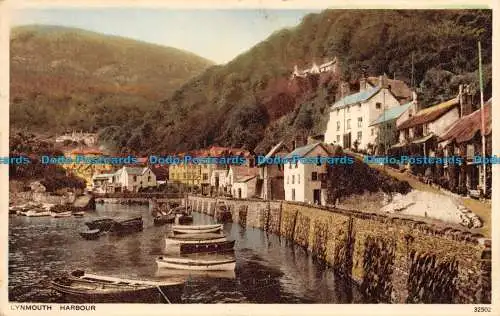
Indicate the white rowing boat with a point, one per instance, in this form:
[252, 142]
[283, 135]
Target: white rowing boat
[177, 240]
[198, 229]
[37, 213]
[222, 264]
[60, 214]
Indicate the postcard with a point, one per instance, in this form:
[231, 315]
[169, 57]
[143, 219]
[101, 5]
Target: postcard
[319, 158]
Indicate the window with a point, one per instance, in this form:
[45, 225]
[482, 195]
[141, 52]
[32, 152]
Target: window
[135, 178]
[338, 138]
[293, 179]
[359, 136]
[378, 105]
[360, 122]
[290, 166]
[296, 164]
[338, 112]
[205, 176]
[348, 109]
[293, 194]
[359, 106]
[149, 178]
[349, 124]
[314, 176]
[373, 131]
[338, 125]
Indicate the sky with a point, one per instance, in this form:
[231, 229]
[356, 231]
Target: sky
[218, 35]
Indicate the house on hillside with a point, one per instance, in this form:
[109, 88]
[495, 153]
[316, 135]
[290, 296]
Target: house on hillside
[464, 138]
[398, 88]
[420, 129]
[272, 174]
[350, 117]
[132, 179]
[242, 181]
[329, 66]
[386, 132]
[306, 182]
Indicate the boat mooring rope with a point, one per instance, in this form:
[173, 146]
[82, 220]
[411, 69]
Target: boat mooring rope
[163, 294]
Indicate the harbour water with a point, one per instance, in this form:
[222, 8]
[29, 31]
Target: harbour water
[269, 269]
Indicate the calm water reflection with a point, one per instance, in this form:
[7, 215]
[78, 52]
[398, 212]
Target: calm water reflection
[268, 268]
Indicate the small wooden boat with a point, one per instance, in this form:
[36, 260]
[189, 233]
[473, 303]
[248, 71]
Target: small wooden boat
[82, 287]
[164, 219]
[215, 247]
[127, 226]
[78, 214]
[37, 213]
[197, 229]
[187, 274]
[103, 224]
[176, 240]
[60, 214]
[91, 234]
[221, 264]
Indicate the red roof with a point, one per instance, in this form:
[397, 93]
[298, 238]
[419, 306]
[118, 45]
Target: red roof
[429, 114]
[467, 127]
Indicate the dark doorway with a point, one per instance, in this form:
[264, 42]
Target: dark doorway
[317, 196]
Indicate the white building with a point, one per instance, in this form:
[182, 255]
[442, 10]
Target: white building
[218, 179]
[103, 183]
[133, 178]
[245, 187]
[305, 182]
[350, 117]
[241, 181]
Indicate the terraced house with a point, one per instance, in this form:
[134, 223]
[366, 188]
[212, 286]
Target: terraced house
[350, 117]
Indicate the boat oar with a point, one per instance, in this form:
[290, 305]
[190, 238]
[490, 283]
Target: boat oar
[162, 294]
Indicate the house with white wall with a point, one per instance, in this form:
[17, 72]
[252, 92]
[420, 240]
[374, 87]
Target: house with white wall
[133, 178]
[350, 117]
[241, 181]
[419, 129]
[306, 181]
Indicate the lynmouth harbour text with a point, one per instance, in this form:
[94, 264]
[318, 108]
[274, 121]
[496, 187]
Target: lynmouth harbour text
[52, 307]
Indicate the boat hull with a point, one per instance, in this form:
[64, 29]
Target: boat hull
[60, 215]
[147, 295]
[177, 242]
[80, 287]
[197, 265]
[91, 235]
[37, 214]
[215, 247]
[197, 231]
[101, 224]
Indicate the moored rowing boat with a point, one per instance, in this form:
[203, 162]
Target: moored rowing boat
[60, 214]
[217, 264]
[176, 240]
[82, 287]
[215, 247]
[198, 229]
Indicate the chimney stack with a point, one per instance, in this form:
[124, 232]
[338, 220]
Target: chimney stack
[362, 84]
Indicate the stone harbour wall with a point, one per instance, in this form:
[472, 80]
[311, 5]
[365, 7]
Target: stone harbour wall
[392, 259]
